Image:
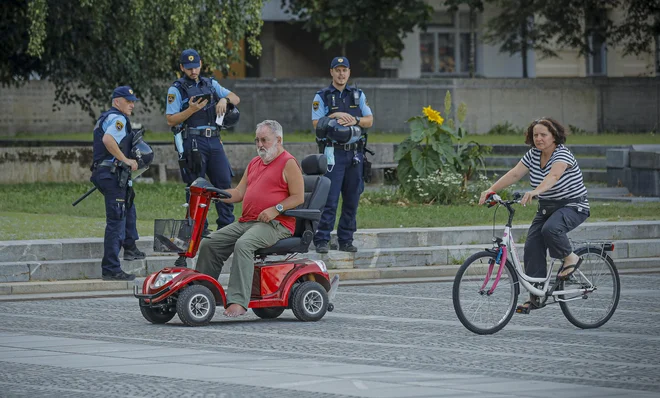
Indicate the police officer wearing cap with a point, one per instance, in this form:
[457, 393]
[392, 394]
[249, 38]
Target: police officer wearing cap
[348, 106]
[111, 171]
[193, 105]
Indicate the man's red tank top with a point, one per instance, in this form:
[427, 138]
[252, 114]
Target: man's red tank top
[266, 188]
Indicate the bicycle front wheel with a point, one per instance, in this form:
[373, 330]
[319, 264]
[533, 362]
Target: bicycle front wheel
[599, 276]
[478, 309]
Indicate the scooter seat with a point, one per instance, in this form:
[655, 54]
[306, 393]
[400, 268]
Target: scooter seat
[283, 247]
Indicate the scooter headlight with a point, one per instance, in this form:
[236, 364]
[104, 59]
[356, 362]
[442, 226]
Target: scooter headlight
[163, 279]
[321, 265]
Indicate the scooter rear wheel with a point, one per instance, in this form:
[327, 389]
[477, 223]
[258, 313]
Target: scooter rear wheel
[196, 305]
[309, 301]
[268, 313]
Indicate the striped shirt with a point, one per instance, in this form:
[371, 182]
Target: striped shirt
[570, 184]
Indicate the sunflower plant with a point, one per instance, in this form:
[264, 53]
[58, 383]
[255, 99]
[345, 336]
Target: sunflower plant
[430, 149]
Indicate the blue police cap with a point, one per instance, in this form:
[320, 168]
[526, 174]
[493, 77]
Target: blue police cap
[339, 61]
[189, 59]
[124, 92]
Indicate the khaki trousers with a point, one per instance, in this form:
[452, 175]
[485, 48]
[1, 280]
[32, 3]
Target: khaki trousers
[242, 239]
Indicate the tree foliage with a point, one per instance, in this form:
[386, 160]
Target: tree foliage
[88, 47]
[382, 23]
[549, 25]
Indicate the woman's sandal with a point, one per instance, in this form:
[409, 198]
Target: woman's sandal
[572, 267]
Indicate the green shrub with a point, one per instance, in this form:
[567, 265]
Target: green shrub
[506, 128]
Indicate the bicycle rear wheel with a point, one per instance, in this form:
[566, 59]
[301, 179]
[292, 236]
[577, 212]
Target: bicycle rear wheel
[479, 311]
[599, 274]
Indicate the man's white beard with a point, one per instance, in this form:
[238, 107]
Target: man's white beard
[267, 155]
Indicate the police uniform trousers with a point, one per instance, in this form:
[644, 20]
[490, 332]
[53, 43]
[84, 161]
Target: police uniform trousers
[214, 164]
[120, 227]
[242, 239]
[548, 233]
[345, 178]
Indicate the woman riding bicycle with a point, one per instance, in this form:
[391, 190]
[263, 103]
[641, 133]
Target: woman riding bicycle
[557, 180]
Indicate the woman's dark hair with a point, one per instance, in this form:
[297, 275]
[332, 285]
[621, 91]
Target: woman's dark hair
[556, 129]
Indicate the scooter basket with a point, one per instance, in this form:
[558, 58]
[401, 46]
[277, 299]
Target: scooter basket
[172, 236]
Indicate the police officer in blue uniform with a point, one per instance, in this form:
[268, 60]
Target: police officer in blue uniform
[348, 105]
[111, 171]
[193, 104]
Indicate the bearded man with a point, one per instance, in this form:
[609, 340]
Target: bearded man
[271, 184]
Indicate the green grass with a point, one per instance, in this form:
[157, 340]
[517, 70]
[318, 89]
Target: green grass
[374, 137]
[44, 211]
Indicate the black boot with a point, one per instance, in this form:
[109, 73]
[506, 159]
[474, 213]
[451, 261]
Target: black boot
[133, 253]
[181, 262]
[347, 247]
[322, 247]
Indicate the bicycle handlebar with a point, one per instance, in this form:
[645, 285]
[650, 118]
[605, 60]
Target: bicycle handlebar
[494, 199]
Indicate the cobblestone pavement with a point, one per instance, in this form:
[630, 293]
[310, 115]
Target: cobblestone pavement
[398, 340]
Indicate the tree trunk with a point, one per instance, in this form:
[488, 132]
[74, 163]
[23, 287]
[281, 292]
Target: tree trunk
[657, 56]
[473, 42]
[524, 37]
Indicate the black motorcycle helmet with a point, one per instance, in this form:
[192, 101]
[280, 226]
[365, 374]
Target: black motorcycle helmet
[141, 151]
[342, 134]
[231, 116]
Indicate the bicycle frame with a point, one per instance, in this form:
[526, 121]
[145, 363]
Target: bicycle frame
[507, 245]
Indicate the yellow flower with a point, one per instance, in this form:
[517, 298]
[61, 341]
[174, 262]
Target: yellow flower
[433, 115]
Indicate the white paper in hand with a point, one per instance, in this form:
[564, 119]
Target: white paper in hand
[219, 119]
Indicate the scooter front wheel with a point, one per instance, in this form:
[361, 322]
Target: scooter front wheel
[309, 302]
[196, 305]
[155, 316]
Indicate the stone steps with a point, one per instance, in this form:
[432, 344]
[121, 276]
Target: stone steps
[589, 175]
[642, 253]
[92, 248]
[444, 273]
[511, 161]
[384, 253]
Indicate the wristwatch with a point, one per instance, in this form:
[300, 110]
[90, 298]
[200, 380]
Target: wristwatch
[357, 120]
[279, 208]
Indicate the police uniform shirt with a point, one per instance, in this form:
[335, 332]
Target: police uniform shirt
[320, 109]
[115, 125]
[175, 104]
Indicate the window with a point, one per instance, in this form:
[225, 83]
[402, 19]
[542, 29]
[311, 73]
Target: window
[445, 46]
[596, 20]
[597, 60]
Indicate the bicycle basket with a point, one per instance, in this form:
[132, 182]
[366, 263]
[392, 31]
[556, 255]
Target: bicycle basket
[172, 236]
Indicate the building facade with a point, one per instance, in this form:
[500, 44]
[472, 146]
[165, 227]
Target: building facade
[443, 50]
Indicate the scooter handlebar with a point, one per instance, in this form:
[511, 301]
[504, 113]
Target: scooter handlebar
[221, 194]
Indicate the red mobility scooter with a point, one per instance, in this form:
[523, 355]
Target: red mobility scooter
[302, 285]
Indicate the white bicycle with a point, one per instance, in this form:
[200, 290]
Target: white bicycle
[487, 285]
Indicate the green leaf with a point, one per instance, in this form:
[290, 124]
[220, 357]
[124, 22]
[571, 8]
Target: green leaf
[417, 130]
[403, 149]
[405, 171]
[424, 165]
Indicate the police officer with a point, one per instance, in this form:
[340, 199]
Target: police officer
[111, 172]
[193, 104]
[348, 105]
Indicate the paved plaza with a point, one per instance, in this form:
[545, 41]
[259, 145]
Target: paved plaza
[398, 340]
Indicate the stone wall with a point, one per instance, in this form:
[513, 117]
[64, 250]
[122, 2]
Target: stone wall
[637, 168]
[593, 104]
[71, 164]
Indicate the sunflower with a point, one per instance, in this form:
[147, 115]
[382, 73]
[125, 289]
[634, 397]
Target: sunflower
[433, 115]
